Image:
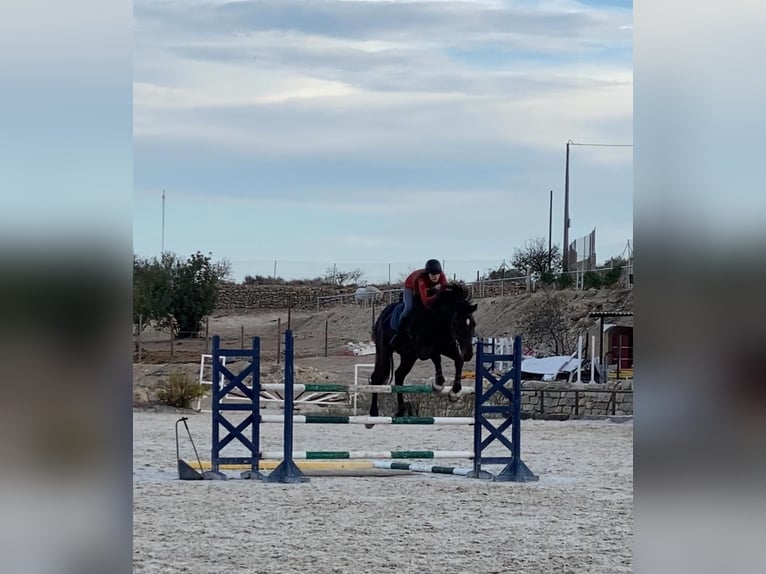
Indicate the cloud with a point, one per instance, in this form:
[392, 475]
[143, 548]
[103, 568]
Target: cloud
[362, 110]
[383, 203]
[339, 76]
[393, 20]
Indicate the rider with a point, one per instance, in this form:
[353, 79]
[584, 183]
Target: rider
[419, 282]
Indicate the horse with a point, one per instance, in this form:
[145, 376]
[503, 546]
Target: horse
[369, 295]
[446, 328]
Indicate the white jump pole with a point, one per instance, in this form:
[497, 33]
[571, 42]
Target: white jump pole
[355, 395]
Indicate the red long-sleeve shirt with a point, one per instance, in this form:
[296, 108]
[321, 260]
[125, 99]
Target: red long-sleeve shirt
[420, 282]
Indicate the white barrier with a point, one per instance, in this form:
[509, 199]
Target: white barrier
[356, 381]
[314, 398]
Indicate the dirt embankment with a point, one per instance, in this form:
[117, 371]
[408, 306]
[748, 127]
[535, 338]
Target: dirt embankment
[332, 330]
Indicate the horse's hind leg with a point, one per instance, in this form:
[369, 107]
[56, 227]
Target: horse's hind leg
[375, 379]
[405, 366]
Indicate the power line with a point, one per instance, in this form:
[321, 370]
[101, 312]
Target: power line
[566, 196]
[600, 145]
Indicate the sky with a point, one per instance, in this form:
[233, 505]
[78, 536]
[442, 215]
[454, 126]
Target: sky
[376, 135]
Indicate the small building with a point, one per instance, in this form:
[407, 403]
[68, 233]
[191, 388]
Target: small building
[614, 344]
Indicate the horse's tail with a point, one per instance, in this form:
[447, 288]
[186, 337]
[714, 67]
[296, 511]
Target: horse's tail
[383, 371]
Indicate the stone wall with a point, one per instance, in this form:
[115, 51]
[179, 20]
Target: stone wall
[232, 296]
[547, 400]
[240, 296]
[538, 400]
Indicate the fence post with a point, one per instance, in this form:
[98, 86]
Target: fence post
[279, 338]
[207, 334]
[326, 325]
[172, 341]
[241, 336]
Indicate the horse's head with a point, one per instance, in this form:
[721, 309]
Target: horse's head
[455, 301]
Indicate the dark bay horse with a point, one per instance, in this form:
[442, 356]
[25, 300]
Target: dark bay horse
[447, 329]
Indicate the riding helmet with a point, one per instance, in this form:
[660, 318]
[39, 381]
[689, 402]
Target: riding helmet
[433, 267]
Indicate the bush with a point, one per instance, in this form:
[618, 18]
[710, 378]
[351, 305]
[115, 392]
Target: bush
[547, 278]
[612, 276]
[179, 391]
[592, 280]
[565, 281]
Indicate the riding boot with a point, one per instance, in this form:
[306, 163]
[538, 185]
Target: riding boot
[411, 332]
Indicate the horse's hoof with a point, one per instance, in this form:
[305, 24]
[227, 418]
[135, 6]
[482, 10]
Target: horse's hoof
[368, 426]
[437, 388]
[453, 396]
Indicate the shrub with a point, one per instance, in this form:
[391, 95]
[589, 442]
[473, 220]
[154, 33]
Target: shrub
[612, 276]
[564, 281]
[592, 280]
[547, 278]
[179, 391]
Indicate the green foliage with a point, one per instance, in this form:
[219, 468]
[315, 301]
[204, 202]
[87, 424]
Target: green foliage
[611, 277]
[565, 281]
[616, 262]
[592, 280]
[152, 282]
[548, 278]
[180, 390]
[169, 287]
[194, 291]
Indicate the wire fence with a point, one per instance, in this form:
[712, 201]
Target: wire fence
[361, 272]
[168, 344]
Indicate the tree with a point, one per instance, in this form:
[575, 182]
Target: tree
[613, 275]
[533, 257]
[339, 278]
[194, 292]
[503, 271]
[616, 262]
[152, 282]
[545, 324]
[169, 287]
[592, 280]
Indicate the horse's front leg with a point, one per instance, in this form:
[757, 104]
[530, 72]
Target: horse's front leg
[457, 385]
[438, 383]
[405, 366]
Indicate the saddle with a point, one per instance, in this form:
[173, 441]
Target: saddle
[408, 331]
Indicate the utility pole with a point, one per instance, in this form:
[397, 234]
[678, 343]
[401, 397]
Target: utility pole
[565, 247]
[163, 224]
[550, 232]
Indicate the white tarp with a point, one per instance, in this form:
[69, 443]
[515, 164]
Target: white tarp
[549, 365]
[360, 348]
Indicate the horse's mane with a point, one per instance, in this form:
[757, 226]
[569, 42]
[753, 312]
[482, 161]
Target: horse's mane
[456, 291]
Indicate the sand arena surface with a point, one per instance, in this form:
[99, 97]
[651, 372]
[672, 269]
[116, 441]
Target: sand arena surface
[578, 518]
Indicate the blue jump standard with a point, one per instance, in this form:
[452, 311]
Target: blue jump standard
[486, 403]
